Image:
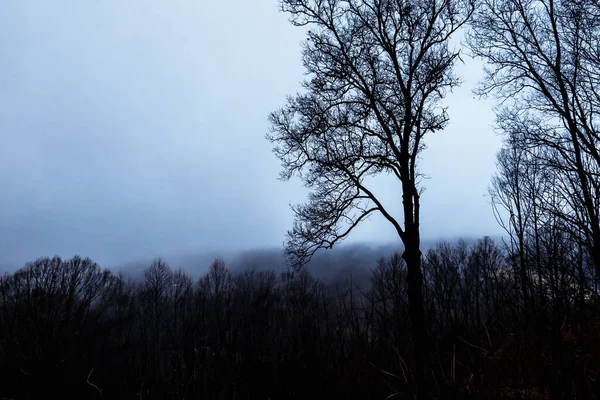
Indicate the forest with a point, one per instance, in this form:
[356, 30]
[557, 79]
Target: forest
[511, 318]
[70, 328]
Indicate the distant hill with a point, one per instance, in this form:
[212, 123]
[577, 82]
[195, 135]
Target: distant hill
[333, 267]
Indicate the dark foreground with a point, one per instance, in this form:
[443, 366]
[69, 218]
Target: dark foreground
[70, 329]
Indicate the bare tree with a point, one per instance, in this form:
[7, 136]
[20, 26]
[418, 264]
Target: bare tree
[153, 300]
[543, 63]
[378, 71]
[513, 197]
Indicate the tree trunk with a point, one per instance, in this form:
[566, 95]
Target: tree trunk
[581, 308]
[596, 252]
[414, 279]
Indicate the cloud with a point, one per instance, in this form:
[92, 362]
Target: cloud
[131, 128]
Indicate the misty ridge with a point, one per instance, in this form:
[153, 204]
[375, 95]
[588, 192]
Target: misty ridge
[332, 267]
[513, 312]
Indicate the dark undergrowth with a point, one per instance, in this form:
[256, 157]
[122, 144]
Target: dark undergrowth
[69, 329]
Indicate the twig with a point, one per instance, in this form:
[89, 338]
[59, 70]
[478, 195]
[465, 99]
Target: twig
[472, 345]
[402, 363]
[488, 335]
[453, 369]
[385, 372]
[91, 384]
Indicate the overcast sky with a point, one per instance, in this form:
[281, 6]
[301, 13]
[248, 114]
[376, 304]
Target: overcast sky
[136, 128]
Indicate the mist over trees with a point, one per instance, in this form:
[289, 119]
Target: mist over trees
[512, 318]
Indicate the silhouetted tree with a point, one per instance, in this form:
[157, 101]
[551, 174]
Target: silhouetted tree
[543, 62]
[51, 314]
[153, 300]
[378, 72]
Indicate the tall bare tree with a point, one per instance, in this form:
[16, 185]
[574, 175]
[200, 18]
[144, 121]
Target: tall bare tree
[543, 63]
[378, 70]
[513, 206]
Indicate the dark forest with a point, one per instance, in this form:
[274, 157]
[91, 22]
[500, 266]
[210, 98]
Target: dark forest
[70, 328]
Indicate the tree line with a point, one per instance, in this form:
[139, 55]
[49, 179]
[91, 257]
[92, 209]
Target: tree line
[71, 328]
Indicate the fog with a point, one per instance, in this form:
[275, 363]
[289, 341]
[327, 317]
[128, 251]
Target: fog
[132, 129]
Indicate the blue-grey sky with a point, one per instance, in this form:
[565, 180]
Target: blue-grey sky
[135, 128]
